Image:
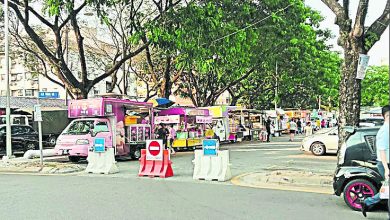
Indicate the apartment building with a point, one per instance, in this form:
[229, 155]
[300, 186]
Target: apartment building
[25, 82]
[28, 82]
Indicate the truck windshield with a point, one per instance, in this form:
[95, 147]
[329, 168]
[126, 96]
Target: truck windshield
[79, 127]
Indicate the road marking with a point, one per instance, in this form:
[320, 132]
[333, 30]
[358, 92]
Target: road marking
[306, 156]
[251, 150]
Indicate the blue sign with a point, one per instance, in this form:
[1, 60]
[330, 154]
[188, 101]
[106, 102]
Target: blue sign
[98, 145]
[48, 95]
[210, 147]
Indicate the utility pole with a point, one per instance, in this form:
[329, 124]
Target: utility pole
[319, 103]
[7, 73]
[277, 127]
[276, 87]
[66, 60]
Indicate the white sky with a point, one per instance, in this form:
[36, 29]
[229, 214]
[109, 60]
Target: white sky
[379, 53]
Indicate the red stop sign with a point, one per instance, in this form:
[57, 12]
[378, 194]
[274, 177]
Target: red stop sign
[154, 148]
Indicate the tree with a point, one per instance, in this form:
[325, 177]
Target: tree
[355, 38]
[293, 42]
[375, 86]
[212, 58]
[55, 16]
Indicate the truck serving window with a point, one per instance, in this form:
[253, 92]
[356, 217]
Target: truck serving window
[79, 127]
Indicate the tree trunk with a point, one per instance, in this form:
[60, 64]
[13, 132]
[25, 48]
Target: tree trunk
[350, 95]
[234, 100]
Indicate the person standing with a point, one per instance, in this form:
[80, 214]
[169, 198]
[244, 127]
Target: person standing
[382, 152]
[268, 127]
[162, 133]
[293, 129]
[171, 137]
[299, 125]
[308, 129]
[323, 123]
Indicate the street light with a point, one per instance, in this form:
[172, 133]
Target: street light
[7, 108]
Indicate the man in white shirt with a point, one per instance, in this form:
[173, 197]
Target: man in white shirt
[382, 152]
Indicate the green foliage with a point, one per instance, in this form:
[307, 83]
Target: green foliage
[370, 39]
[375, 86]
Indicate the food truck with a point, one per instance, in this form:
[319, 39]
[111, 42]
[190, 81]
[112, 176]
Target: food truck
[124, 125]
[279, 121]
[251, 122]
[189, 123]
[225, 126]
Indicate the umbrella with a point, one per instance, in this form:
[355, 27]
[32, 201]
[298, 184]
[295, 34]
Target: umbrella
[161, 101]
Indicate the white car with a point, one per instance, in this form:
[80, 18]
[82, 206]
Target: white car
[324, 141]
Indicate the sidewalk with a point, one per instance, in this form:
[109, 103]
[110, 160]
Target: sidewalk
[302, 181]
[51, 165]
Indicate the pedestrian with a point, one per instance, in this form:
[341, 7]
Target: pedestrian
[308, 129]
[293, 129]
[299, 125]
[323, 123]
[162, 134]
[268, 127]
[318, 124]
[382, 153]
[171, 137]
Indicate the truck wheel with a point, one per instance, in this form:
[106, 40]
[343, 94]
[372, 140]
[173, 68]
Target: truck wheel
[136, 154]
[74, 159]
[52, 141]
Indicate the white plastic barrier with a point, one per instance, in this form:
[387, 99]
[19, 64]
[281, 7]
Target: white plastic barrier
[212, 167]
[102, 163]
[36, 153]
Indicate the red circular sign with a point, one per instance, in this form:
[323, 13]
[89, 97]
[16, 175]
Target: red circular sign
[154, 148]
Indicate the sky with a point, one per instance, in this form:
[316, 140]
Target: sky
[379, 53]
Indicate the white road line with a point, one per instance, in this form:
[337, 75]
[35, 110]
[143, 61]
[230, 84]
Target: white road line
[279, 149]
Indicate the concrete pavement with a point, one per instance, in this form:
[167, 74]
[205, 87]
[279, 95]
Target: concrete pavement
[75, 197]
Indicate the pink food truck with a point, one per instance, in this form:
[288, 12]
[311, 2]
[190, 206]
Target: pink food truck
[190, 125]
[124, 125]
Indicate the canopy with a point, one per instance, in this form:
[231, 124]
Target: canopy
[161, 102]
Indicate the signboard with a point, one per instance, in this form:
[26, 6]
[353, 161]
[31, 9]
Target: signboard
[48, 95]
[85, 107]
[154, 150]
[196, 111]
[98, 145]
[204, 119]
[210, 147]
[168, 119]
[362, 66]
[37, 113]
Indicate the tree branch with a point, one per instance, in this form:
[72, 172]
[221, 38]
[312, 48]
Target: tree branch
[342, 18]
[70, 15]
[220, 91]
[118, 64]
[361, 15]
[377, 28]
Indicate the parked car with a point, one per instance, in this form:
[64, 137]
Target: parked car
[371, 122]
[356, 175]
[324, 141]
[23, 138]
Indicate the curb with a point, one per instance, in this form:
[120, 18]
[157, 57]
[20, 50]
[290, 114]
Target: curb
[236, 181]
[39, 174]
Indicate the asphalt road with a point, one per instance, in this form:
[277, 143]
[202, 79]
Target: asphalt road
[125, 196]
[72, 197]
